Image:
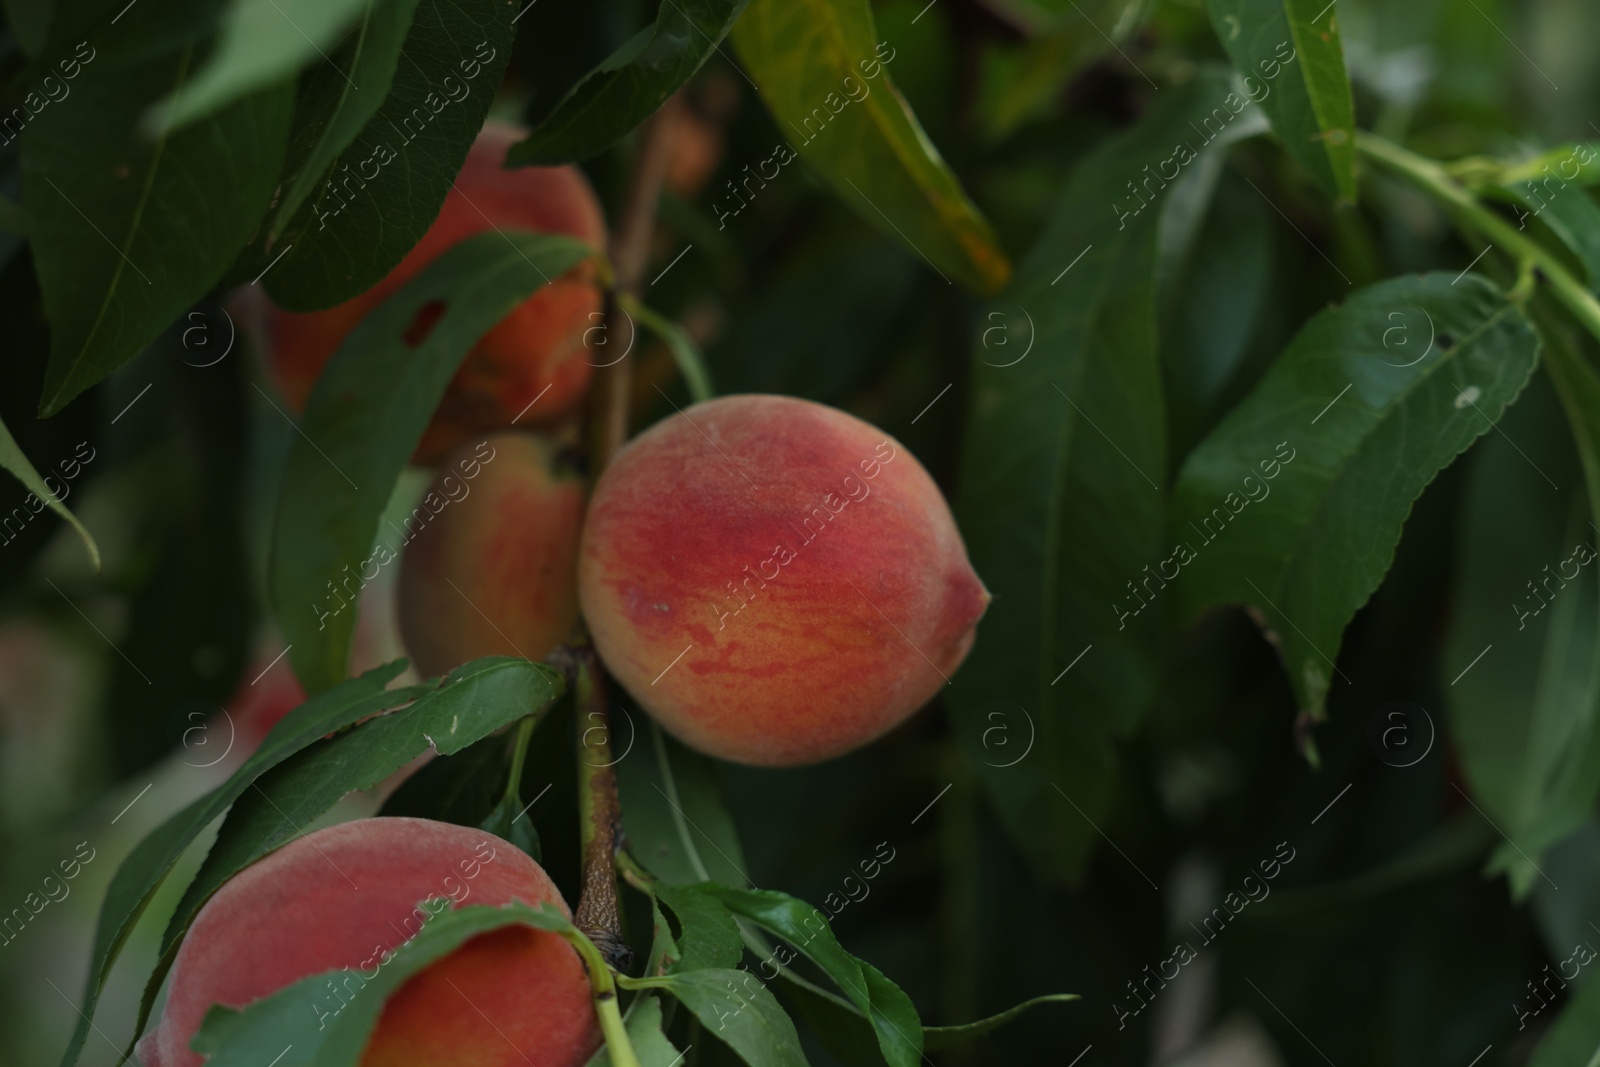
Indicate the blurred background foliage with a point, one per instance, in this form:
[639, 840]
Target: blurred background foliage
[1382, 942]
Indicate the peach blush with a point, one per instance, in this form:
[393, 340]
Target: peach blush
[775, 581]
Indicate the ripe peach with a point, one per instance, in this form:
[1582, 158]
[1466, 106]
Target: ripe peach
[494, 572]
[347, 896]
[539, 346]
[775, 581]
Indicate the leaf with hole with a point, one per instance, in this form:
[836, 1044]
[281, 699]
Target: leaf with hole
[363, 421]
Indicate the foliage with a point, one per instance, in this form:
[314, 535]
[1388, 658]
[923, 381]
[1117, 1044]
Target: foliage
[1254, 341]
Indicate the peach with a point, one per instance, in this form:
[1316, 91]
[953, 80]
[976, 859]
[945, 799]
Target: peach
[348, 895]
[494, 572]
[775, 581]
[536, 353]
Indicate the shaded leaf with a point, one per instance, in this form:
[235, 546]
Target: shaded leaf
[147, 865]
[260, 43]
[1526, 714]
[363, 420]
[691, 364]
[1369, 401]
[630, 84]
[332, 110]
[1291, 55]
[673, 814]
[128, 232]
[1571, 214]
[1060, 495]
[824, 75]
[12, 459]
[707, 935]
[387, 185]
[734, 1007]
[893, 1016]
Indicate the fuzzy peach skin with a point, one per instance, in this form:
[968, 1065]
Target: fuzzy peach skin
[538, 346]
[344, 897]
[495, 572]
[775, 581]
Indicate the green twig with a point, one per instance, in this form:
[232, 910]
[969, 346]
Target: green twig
[618, 1045]
[1436, 180]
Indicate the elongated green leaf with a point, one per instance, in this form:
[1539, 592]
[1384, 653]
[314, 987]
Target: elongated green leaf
[148, 864]
[707, 935]
[643, 1021]
[1366, 405]
[672, 810]
[630, 85]
[386, 185]
[290, 1019]
[1061, 488]
[893, 1016]
[127, 232]
[473, 701]
[737, 1009]
[364, 419]
[261, 43]
[13, 460]
[1525, 702]
[824, 75]
[941, 1037]
[1292, 59]
[339, 98]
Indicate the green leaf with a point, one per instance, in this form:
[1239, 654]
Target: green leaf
[1366, 405]
[734, 1007]
[707, 937]
[643, 1021]
[261, 43]
[1574, 1040]
[1569, 212]
[473, 701]
[824, 75]
[1060, 495]
[1292, 59]
[331, 111]
[13, 460]
[1021, 83]
[150, 861]
[1525, 701]
[943, 1037]
[392, 177]
[28, 20]
[1212, 305]
[296, 1019]
[673, 814]
[630, 84]
[691, 364]
[127, 232]
[893, 1016]
[364, 419]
